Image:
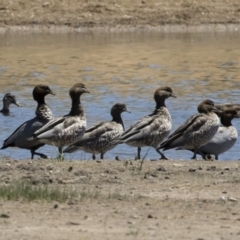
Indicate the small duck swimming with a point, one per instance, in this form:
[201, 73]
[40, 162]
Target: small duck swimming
[152, 129]
[99, 137]
[43, 114]
[67, 129]
[9, 99]
[197, 131]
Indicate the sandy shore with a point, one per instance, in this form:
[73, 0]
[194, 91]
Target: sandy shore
[115, 199]
[124, 15]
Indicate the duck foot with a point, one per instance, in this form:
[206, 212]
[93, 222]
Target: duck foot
[60, 157]
[208, 157]
[163, 158]
[41, 155]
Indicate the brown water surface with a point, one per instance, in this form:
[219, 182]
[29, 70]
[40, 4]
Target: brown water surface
[118, 68]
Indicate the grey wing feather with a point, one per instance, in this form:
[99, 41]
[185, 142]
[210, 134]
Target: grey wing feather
[178, 138]
[59, 126]
[19, 136]
[138, 127]
[185, 125]
[49, 126]
[143, 128]
[98, 131]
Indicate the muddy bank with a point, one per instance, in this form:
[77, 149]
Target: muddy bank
[115, 199]
[125, 15]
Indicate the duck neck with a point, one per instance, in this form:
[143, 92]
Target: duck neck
[116, 117]
[5, 110]
[41, 100]
[77, 109]
[41, 104]
[6, 105]
[43, 112]
[227, 122]
[160, 103]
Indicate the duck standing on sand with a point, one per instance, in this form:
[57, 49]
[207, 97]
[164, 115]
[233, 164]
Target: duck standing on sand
[67, 129]
[197, 131]
[43, 115]
[8, 99]
[99, 137]
[152, 129]
[225, 137]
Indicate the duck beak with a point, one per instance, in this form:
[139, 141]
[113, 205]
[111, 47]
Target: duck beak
[127, 110]
[86, 90]
[52, 93]
[173, 95]
[238, 114]
[18, 104]
[217, 111]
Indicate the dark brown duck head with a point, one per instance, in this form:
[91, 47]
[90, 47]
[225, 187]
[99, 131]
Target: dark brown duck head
[118, 108]
[7, 100]
[161, 94]
[40, 91]
[116, 111]
[227, 116]
[227, 106]
[75, 93]
[77, 90]
[207, 106]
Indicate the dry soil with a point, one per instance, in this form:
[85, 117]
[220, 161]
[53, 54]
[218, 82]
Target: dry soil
[165, 200]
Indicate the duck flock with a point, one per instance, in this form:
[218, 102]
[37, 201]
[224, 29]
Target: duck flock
[209, 132]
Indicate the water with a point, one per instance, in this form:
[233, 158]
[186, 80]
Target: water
[118, 68]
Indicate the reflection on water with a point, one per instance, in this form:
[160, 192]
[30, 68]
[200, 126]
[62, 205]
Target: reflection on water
[118, 68]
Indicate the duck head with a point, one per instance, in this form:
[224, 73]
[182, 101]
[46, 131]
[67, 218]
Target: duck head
[118, 108]
[207, 106]
[40, 91]
[77, 90]
[10, 99]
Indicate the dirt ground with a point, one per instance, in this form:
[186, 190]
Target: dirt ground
[112, 13]
[165, 200]
[197, 200]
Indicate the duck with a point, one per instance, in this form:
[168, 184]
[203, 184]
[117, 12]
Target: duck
[197, 130]
[224, 106]
[99, 137]
[68, 129]
[225, 137]
[9, 99]
[43, 115]
[152, 129]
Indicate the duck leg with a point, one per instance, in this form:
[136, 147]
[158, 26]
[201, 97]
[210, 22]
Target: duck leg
[102, 155]
[93, 157]
[41, 155]
[163, 157]
[139, 153]
[194, 153]
[60, 156]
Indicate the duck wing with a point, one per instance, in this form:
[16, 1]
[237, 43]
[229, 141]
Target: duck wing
[62, 128]
[104, 131]
[24, 131]
[185, 125]
[178, 138]
[143, 128]
[49, 126]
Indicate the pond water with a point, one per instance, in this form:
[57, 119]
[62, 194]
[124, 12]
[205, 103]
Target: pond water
[118, 68]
